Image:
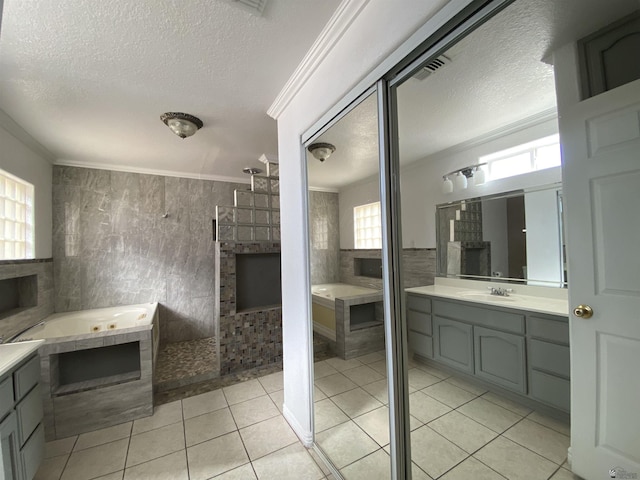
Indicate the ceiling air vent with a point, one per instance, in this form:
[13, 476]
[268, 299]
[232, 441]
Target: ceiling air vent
[432, 67]
[254, 6]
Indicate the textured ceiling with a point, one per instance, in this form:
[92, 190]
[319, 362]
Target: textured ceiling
[496, 78]
[89, 79]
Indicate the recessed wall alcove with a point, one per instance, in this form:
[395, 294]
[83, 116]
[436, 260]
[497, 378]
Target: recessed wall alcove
[17, 294]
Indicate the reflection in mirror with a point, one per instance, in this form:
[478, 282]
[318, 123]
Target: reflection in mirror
[514, 237]
[351, 417]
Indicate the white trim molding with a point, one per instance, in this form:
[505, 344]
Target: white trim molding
[305, 436]
[151, 171]
[11, 126]
[339, 22]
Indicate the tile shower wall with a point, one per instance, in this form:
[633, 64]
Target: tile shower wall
[325, 237]
[419, 266]
[12, 323]
[112, 245]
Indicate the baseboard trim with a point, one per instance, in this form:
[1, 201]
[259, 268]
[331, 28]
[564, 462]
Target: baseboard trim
[305, 436]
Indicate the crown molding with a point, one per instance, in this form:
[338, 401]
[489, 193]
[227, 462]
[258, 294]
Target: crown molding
[151, 171]
[11, 126]
[323, 189]
[339, 22]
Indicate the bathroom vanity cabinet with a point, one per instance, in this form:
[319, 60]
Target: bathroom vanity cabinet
[522, 351]
[21, 413]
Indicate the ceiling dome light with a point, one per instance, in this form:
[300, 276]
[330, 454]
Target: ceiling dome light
[182, 124]
[321, 151]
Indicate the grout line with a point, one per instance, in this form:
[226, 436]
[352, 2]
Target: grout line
[184, 433]
[554, 472]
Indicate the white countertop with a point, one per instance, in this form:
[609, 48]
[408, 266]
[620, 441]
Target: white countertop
[11, 354]
[481, 295]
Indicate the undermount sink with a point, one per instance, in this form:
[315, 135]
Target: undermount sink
[485, 296]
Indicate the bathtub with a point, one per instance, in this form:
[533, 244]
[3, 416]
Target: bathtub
[97, 367]
[323, 305]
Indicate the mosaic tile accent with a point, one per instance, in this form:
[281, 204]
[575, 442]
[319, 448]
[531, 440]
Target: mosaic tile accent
[183, 363]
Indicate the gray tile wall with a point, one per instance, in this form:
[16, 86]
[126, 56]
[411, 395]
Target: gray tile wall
[13, 324]
[419, 267]
[112, 246]
[325, 237]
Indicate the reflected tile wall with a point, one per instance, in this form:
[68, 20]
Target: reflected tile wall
[325, 237]
[112, 245]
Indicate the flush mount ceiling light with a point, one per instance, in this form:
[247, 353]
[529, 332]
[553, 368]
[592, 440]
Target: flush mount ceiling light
[251, 170]
[461, 176]
[182, 124]
[321, 151]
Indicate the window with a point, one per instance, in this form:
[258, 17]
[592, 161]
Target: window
[367, 226]
[525, 158]
[16, 218]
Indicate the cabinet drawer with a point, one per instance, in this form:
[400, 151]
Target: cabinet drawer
[551, 357]
[27, 376]
[32, 453]
[548, 329]
[419, 302]
[6, 396]
[500, 358]
[419, 322]
[421, 344]
[30, 414]
[549, 389]
[486, 317]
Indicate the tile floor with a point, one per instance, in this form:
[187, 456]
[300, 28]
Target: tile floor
[233, 433]
[459, 431]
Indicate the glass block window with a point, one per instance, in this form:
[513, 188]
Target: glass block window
[367, 226]
[321, 233]
[16, 218]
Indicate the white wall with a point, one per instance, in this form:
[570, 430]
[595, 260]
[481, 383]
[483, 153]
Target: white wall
[544, 260]
[358, 52]
[494, 230]
[422, 186]
[21, 161]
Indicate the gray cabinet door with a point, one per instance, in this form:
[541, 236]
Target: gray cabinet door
[500, 358]
[11, 468]
[453, 342]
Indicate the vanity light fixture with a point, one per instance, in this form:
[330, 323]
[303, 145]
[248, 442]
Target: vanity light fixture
[321, 151]
[182, 124]
[461, 176]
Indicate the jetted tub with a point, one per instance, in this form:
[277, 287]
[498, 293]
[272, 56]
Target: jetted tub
[345, 315]
[97, 367]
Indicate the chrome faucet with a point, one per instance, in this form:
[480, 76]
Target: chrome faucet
[500, 292]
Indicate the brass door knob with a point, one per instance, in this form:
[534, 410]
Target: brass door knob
[583, 311]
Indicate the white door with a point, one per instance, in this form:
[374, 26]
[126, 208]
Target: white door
[601, 182]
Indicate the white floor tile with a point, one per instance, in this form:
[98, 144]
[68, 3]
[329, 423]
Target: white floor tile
[376, 425]
[371, 357]
[542, 440]
[362, 375]
[514, 461]
[102, 436]
[335, 384]
[379, 389]
[341, 365]
[254, 411]
[420, 379]
[210, 425]
[241, 392]
[169, 467]
[290, 463]
[472, 469]
[465, 385]
[244, 472]
[163, 415]
[272, 383]
[449, 394]
[318, 394]
[96, 461]
[216, 456]
[563, 474]
[112, 476]
[59, 447]
[426, 408]
[346, 443]
[266, 437]
[489, 414]
[51, 468]
[504, 402]
[327, 415]
[463, 431]
[155, 443]
[380, 366]
[356, 402]
[323, 369]
[203, 403]
[278, 399]
[433, 453]
[552, 423]
[376, 466]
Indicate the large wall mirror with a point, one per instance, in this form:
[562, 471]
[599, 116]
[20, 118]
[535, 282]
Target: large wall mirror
[514, 236]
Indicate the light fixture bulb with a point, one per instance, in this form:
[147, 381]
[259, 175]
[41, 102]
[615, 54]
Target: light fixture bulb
[479, 176]
[447, 185]
[182, 124]
[461, 181]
